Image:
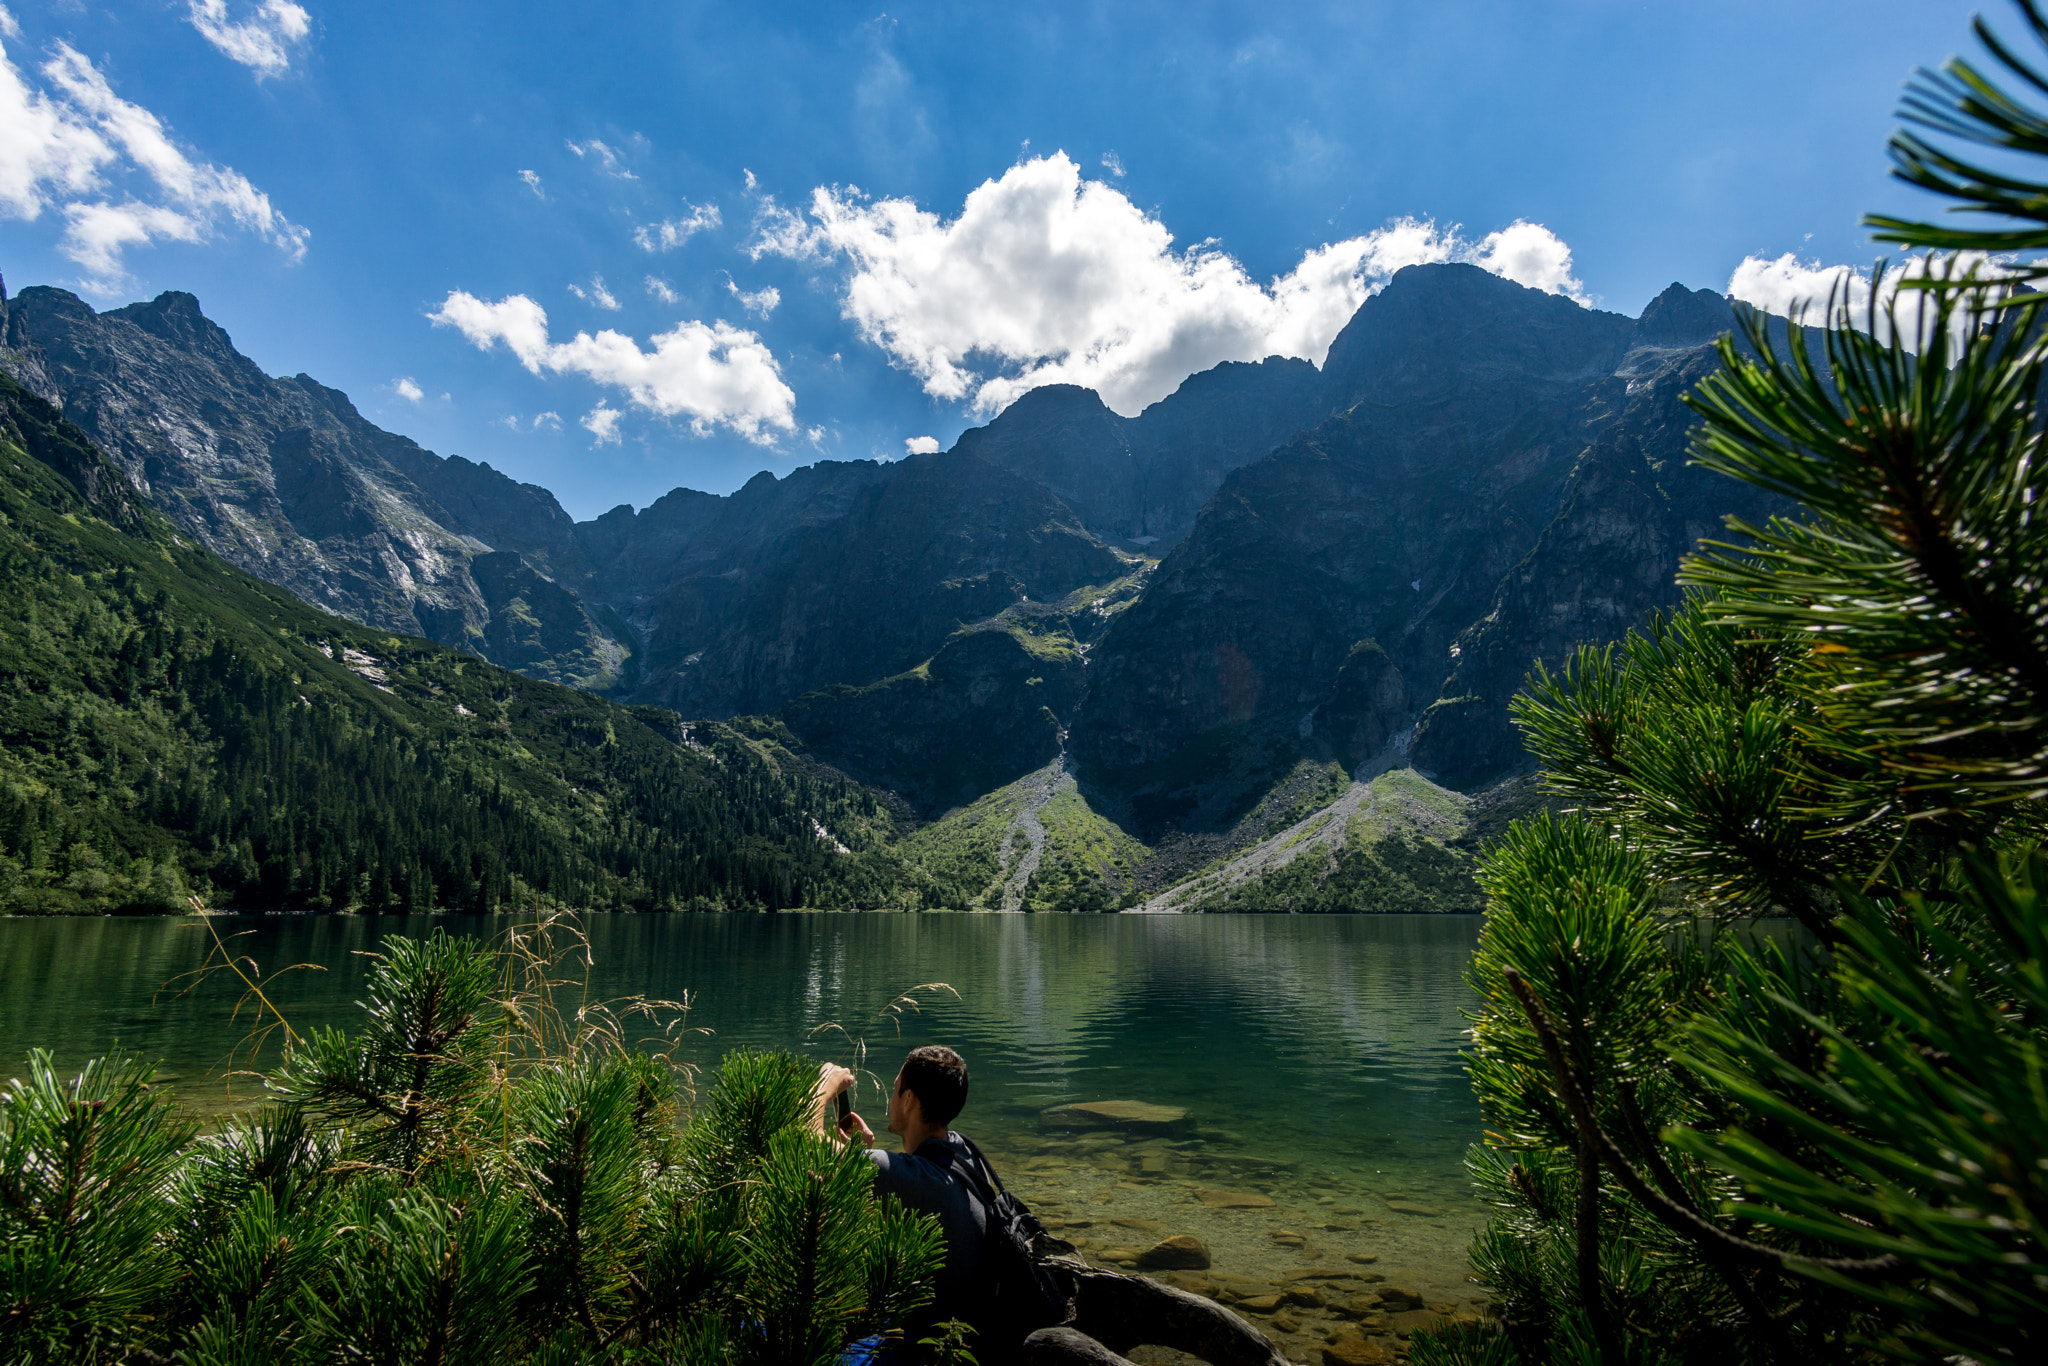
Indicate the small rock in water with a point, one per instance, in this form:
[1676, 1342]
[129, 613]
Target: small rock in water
[1362, 1258]
[1353, 1350]
[1358, 1306]
[1181, 1252]
[1216, 1199]
[1400, 1299]
[1410, 1207]
[1406, 1323]
[1287, 1321]
[1305, 1295]
[1260, 1304]
[1134, 1115]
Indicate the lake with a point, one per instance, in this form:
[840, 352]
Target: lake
[1317, 1056]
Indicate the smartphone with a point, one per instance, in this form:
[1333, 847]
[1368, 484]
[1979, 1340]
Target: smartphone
[845, 1101]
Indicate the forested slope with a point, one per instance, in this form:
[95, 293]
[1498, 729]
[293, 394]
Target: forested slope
[172, 728]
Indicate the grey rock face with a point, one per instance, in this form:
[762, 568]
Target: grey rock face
[1504, 478]
[1138, 482]
[284, 478]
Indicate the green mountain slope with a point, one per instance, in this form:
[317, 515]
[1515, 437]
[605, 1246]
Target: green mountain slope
[173, 729]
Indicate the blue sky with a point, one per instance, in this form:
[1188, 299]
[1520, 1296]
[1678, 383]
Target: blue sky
[617, 248]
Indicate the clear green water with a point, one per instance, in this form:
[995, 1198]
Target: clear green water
[1317, 1055]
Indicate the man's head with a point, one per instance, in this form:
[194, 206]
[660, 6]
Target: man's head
[930, 1090]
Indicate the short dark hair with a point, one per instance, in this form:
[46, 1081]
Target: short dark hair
[938, 1078]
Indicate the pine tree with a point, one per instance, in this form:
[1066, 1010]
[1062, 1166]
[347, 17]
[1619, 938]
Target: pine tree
[1710, 1140]
[473, 1177]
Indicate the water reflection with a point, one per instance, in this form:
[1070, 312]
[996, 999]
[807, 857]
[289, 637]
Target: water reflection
[1317, 1056]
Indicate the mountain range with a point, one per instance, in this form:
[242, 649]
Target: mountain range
[1184, 633]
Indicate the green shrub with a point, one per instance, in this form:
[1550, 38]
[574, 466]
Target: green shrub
[472, 1176]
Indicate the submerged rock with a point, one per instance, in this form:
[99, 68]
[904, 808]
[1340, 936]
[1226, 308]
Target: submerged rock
[1181, 1252]
[1353, 1350]
[1136, 1116]
[1216, 1199]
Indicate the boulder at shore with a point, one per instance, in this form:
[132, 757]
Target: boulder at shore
[1136, 1116]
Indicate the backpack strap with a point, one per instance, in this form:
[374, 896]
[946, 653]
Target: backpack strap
[979, 1176]
[988, 1170]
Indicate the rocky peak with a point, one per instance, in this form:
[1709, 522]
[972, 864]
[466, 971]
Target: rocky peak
[1058, 411]
[1446, 328]
[1683, 317]
[175, 317]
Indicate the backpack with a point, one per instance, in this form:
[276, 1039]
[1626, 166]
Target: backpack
[1021, 1294]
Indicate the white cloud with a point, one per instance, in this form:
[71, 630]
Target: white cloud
[263, 42]
[1048, 278]
[510, 422]
[672, 233]
[603, 423]
[550, 420]
[10, 29]
[61, 145]
[406, 388]
[921, 445]
[714, 374]
[1113, 164]
[1531, 254]
[785, 232]
[533, 183]
[606, 157]
[659, 288]
[597, 296]
[1820, 295]
[760, 303]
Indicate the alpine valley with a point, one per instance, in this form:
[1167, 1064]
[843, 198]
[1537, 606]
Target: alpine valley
[1251, 649]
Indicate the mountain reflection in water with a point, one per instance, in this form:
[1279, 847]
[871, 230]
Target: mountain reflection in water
[1316, 1056]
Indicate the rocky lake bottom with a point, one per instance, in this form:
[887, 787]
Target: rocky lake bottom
[1285, 1091]
[1314, 1254]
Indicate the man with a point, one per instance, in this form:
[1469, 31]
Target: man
[929, 1091]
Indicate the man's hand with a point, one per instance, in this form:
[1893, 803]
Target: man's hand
[856, 1130]
[832, 1079]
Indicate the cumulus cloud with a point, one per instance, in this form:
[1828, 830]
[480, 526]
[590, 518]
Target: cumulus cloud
[716, 375]
[1047, 278]
[597, 296]
[921, 445]
[1531, 254]
[408, 389]
[533, 183]
[673, 232]
[1808, 290]
[67, 146]
[603, 423]
[606, 158]
[263, 42]
[660, 289]
[760, 302]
